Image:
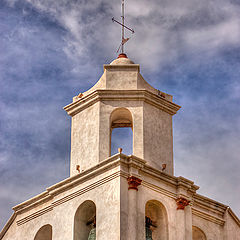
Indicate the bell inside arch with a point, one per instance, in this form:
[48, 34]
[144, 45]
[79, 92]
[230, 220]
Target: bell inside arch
[92, 233]
[148, 228]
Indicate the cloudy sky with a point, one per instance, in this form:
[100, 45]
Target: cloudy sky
[52, 50]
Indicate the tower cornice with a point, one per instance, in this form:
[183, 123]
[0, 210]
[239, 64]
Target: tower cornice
[122, 67]
[118, 95]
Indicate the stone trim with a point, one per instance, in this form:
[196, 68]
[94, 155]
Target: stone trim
[122, 67]
[209, 204]
[7, 225]
[159, 189]
[208, 217]
[170, 179]
[34, 215]
[133, 182]
[67, 198]
[182, 203]
[232, 214]
[42, 197]
[111, 162]
[86, 189]
[69, 182]
[116, 95]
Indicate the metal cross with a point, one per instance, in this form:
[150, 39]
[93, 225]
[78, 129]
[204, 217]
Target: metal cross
[124, 40]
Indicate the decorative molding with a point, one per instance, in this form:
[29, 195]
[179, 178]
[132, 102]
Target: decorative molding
[208, 217]
[133, 182]
[71, 181]
[7, 225]
[209, 204]
[182, 203]
[232, 214]
[67, 198]
[169, 179]
[34, 215]
[122, 66]
[110, 163]
[117, 95]
[159, 189]
[32, 202]
[86, 189]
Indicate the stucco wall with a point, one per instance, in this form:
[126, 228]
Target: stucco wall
[106, 197]
[121, 78]
[85, 138]
[212, 230]
[158, 139]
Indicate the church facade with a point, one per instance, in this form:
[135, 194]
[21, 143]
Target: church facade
[127, 197]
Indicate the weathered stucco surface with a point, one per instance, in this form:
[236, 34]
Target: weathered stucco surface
[158, 138]
[85, 133]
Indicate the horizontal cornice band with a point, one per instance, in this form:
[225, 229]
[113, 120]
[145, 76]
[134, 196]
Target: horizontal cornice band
[119, 95]
[207, 217]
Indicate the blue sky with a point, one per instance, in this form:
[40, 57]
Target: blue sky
[52, 50]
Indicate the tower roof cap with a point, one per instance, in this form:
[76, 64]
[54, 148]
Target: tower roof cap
[122, 60]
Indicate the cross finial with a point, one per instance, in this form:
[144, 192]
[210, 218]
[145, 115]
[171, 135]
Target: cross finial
[122, 26]
[124, 40]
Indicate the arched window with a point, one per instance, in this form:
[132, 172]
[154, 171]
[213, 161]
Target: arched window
[121, 131]
[198, 234]
[44, 233]
[156, 223]
[85, 221]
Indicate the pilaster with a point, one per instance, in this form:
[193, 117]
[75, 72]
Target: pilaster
[133, 183]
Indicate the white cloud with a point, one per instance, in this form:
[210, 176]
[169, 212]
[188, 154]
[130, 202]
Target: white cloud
[155, 24]
[214, 38]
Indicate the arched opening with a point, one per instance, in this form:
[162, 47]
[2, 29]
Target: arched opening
[85, 221]
[121, 131]
[156, 223]
[44, 233]
[198, 234]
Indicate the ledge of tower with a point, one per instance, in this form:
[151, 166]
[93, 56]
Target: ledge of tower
[123, 74]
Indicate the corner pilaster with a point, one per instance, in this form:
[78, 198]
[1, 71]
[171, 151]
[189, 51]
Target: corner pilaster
[133, 183]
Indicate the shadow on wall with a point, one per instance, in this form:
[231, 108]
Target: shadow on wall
[156, 220]
[85, 221]
[44, 233]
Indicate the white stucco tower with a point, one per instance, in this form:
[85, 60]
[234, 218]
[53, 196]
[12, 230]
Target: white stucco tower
[122, 197]
[122, 98]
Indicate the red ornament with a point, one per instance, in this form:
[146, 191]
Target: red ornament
[182, 203]
[134, 182]
[122, 55]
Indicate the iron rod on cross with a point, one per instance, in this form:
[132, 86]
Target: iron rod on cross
[114, 20]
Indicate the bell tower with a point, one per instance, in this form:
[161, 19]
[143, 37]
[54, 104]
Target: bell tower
[121, 98]
[122, 197]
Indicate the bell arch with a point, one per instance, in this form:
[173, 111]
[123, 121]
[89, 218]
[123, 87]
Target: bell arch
[198, 234]
[156, 221]
[85, 221]
[121, 130]
[44, 233]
